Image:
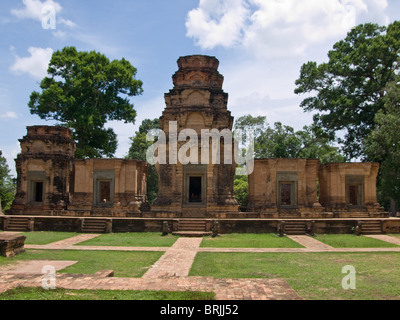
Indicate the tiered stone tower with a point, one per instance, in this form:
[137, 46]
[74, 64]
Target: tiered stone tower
[44, 167]
[197, 102]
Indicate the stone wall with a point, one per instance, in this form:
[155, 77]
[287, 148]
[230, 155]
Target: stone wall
[123, 225]
[303, 188]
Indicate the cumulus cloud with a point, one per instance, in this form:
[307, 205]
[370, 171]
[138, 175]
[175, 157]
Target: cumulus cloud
[275, 27]
[37, 10]
[8, 115]
[33, 9]
[35, 65]
[217, 22]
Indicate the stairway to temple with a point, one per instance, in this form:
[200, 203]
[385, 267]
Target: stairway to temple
[94, 226]
[371, 227]
[192, 228]
[18, 224]
[295, 228]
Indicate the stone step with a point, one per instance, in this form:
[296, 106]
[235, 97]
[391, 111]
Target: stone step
[193, 225]
[18, 224]
[371, 227]
[94, 226]
[192, 234]
[295, 228]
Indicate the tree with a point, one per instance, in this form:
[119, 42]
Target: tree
[7, 187]
[383, 146]
[138, 150]
[83, 91]
[241, 190]
[283, 141]
[348, 90]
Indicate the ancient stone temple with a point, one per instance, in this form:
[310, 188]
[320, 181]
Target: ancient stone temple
[346, 188]
[200, 185]
[194, 153]
[52, 182]
[304, 188]
[285, 188]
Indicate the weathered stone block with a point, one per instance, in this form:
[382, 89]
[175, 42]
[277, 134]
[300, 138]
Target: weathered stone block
[11, 245]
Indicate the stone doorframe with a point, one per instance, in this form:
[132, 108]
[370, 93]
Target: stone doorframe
[287, 178]
[103, 176]
[357, 182]
[191, 171]
[36, 179]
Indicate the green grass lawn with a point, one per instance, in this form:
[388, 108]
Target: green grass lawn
[312, 275]
[124, 264]
[43, 238]
[145, 239]
[237, 240]
[62, 294]
[352, 241]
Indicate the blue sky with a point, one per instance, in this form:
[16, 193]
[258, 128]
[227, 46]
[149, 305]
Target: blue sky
[261, 45]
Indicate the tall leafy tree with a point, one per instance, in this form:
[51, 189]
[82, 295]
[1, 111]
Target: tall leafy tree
[7, 187]
[138, 151]
[282, 141]
[383, 146]
[83, 91]
[348, 90]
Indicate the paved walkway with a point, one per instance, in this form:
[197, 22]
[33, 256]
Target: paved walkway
[177, 260]
[170, 272]
[386, 238]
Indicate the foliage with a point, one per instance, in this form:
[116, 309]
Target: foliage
[383, 144]
[7, 187]
[138, 150]
[283, 141]
[83, 91]
[348, 90]
[241, 190]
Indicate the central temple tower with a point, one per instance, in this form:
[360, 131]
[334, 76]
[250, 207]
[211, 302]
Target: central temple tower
[196, 188]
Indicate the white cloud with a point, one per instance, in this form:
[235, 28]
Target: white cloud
[67, 22]
[8, 115]
[59, 34]
[33, 9]
[36, 65]
[218, 22]
[272, 28]
[37, 10]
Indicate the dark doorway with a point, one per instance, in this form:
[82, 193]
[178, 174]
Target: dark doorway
[353, 196]
[195, 194]
[105, 191]
[286, 192]
[38, 191]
